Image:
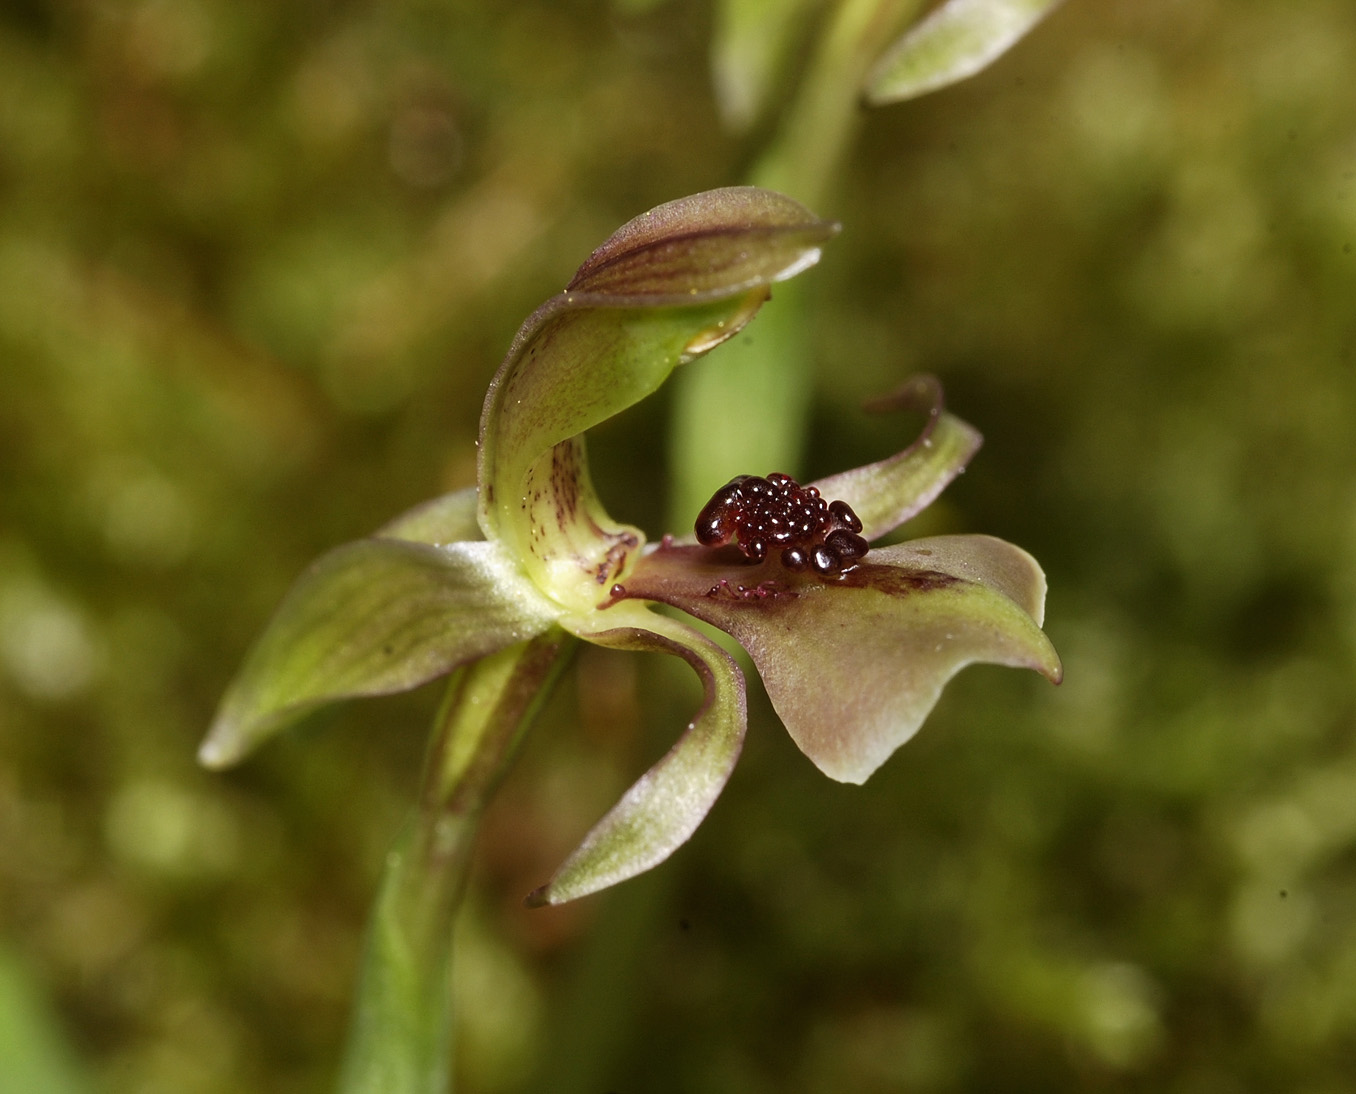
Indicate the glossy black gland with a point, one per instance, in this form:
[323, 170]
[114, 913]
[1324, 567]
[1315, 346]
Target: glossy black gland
[776, 513]
[845, 544]
[846, 518]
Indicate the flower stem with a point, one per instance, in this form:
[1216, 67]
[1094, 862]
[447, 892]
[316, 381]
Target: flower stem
[401, 1034]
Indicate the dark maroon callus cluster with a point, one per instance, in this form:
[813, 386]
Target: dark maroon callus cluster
[778, 514]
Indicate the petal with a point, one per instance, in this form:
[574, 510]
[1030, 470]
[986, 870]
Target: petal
[956, 40]
[854, 665]
[450, 518]
[887, 493]
[370, 618]
[982, 560]
[667, 287]
[658, 814]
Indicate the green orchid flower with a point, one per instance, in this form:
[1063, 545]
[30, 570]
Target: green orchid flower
[854, 643]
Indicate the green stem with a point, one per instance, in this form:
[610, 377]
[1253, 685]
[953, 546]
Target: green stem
[817, 130]
[401, 1036]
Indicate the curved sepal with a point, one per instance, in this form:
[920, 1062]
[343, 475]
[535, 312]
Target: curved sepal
[710, 246]
[667, 287]
[954, 41]
[369, 618]
[662, 810]
[853, 665]
[887, 493]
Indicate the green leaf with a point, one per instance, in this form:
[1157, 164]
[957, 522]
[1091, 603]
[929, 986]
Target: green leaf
[450, 518]
[370, 618]
[854, 664]
[955, 41]
[662, 810]
[887, 493]
[666, 288]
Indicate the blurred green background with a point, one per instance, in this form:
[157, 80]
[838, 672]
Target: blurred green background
[257, 264]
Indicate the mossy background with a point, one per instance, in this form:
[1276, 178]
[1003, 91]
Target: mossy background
[258, 262]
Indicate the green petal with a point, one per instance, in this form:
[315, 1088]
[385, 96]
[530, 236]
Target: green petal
[667, 287]
[853, 665]
[662, 810]
[886, 494]
[370, 618]
[450, 518]
[955, 41]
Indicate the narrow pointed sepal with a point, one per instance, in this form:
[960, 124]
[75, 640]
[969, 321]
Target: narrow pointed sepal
[887, 493]
[854, 664]
[955, 41]
[662, 810]
[370, 618]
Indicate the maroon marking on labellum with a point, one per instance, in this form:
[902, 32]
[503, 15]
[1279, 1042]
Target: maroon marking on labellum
[777, 515]
[894, 581]
[764, 590]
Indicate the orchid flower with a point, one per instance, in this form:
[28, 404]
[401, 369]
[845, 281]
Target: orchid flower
[853, 643]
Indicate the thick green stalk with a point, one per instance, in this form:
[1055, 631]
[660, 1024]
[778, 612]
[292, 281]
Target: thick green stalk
[400, 1041]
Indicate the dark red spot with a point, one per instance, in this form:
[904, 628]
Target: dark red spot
[764, 590]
